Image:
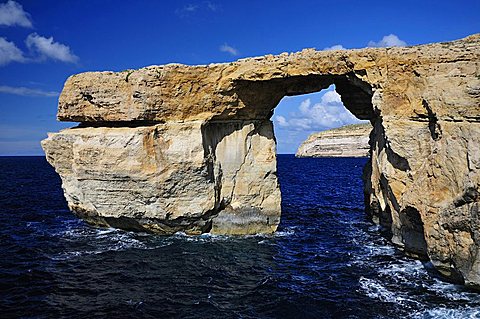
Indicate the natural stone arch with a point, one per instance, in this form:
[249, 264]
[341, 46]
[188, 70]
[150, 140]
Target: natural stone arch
[261, 97]
[240, 211]
[191, 148]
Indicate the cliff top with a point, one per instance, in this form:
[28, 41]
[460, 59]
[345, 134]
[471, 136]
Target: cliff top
[347, 130]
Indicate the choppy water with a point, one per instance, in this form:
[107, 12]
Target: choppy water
[326, 261]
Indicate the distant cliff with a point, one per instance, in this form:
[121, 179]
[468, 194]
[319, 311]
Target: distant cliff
[345, 141]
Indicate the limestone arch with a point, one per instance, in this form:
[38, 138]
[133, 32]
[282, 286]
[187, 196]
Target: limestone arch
[159, 124]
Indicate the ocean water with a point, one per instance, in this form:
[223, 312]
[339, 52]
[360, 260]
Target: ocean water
[326, 261]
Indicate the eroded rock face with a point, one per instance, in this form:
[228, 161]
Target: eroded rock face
[191, 148]
[346, 141]
[165, 178]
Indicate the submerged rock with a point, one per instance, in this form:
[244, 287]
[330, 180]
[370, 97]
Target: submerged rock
[346, 141]
[191, 148]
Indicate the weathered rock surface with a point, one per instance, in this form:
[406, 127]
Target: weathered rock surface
[346, 141]
[171, 177]
[191, 148]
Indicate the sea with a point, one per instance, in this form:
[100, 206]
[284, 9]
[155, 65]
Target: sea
[327, 259]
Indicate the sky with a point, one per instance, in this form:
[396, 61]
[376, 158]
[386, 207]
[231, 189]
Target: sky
[44, 42]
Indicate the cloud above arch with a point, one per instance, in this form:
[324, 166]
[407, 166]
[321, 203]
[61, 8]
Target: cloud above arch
[328, 113]
[46, 48]
[390, 40]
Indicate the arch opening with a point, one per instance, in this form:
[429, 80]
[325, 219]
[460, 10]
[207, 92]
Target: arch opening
[260, 98]
[354, 97]
[299, 118]
[246, 199]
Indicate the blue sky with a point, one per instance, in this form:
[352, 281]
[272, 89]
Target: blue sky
[43, 42]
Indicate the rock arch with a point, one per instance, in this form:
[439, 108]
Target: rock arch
[191, 148]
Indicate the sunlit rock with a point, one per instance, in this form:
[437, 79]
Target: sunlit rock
[346, 141]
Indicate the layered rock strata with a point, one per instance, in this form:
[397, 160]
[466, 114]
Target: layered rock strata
[346, 141]
[191, 148]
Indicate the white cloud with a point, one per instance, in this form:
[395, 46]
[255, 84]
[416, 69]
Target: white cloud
[335, 47]
[41, 48]
[282, 121]
[47, 48]
[11, 13]
[328, 113]
[193, 8]
[9, 52]
[26, 91]
[390, 40]
[226, 48]
[190, 7]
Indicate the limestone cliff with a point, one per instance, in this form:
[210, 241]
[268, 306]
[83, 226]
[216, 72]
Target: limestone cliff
[191, 148]
[346, 141]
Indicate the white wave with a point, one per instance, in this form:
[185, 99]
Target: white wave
[285, 233]
[375, 290]
[71, 254]
[452, 292]
[403, 272]
[265, 242]
[408, 272]
[103, 240]
[205, 237]
[447, 313]
[378, 250]
[375, 228]
[372, 250]
[104, 231]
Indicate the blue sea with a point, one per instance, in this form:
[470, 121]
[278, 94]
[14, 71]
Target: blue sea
[327, 259]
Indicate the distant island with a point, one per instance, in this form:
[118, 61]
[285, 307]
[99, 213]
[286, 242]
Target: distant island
[346, 141]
